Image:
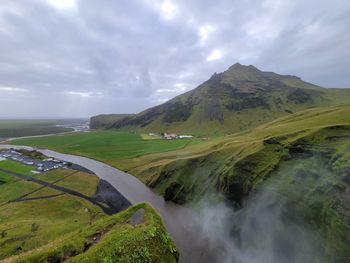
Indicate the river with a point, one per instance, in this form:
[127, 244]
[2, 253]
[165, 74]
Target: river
[181, 222]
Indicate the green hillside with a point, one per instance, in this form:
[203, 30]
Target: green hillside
[240, 98]
[105, 120]
[304, 158]
[134, 235]
[220, 159]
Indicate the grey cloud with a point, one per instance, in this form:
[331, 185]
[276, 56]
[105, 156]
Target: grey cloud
[127, 50]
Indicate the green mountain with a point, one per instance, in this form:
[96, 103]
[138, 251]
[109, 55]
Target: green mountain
[242, 97]
[103, 121]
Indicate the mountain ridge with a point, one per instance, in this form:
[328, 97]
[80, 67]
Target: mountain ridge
[237, 99]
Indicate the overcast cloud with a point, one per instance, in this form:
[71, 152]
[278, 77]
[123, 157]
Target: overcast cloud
[71, 58]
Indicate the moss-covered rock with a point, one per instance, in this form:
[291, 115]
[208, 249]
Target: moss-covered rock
[128, 236]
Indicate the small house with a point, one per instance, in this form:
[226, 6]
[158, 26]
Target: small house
[170, 136]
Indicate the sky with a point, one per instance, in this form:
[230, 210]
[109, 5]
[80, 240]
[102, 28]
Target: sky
[78, 58]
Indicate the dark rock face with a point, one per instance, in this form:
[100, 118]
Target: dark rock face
[111, 197]
[175, 192]
[300, 149]
[272, 140]
[248, 102]
[299, 96]
[177, 111]
[213, 111]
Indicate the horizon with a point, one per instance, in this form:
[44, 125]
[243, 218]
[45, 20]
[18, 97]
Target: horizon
[111, 113]
[79, 58]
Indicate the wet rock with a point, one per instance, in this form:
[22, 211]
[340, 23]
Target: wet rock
[137, 218]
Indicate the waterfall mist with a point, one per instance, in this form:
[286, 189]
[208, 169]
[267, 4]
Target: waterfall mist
[265, 230]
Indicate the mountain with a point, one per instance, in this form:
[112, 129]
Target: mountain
[242, 97]
[103, 121]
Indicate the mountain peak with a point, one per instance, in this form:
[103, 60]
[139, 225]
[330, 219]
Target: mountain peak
[238, 66]
[239, 98]
[243, 72]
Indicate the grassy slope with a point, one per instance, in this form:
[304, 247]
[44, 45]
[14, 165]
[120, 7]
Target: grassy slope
[304, 157]
[107, 145]
[105, 120]
[225, 152]
[240, 98]
[53, 217]
[237, 121]
[120, 242]
[153, 160]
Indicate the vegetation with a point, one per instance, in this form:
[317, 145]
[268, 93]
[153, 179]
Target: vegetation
[19, 128]
[249, 155]
[238, 99]
[111, 239]
[314, 177]
[42, 224]
[32, 215]
[302, 155]
[158, 163]
[104, 121]
[109, 146]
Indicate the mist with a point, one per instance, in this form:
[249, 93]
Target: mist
[266, 229]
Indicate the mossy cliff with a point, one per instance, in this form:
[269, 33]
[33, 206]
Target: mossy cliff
[134, 235]
[303, 157]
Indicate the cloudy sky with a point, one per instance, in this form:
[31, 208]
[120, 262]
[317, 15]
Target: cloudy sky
[77, 58]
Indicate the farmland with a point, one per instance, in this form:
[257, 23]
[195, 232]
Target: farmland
[109, 146]
[57, 215]
[32, 215]
[19, 128]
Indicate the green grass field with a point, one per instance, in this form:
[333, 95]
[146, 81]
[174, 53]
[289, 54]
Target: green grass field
[19, 128]
[28, 224]
[16, 167]
[110, 239]
[107, 146]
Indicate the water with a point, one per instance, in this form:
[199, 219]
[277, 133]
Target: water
[182, 223]
[260, 232]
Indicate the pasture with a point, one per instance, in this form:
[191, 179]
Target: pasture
[19, 128]
[108, 146]
[32, 215]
